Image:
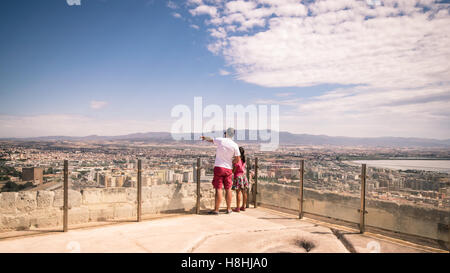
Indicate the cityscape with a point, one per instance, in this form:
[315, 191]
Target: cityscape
[32, 166]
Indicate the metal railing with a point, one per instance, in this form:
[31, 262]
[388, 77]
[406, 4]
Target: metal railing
[66, 197]
[139, 191]
[197, 209]
[139, 199]
[255, 194]
[436, 221]
[362, 211]
[301, 175]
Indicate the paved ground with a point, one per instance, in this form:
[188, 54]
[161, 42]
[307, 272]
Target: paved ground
[256, 230]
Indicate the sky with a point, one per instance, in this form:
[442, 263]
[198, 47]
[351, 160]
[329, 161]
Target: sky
[365, 68]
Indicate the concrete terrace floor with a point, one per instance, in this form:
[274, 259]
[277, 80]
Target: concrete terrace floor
[253, 231]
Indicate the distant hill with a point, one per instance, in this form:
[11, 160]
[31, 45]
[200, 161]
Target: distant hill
[135, 137]
[285, 138]
[305, 139]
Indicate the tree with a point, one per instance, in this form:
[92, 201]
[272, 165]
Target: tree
[49, 171]
[14, 187]
[10, 171]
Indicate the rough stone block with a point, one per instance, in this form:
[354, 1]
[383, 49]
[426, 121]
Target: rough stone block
[74, 199]
[92, 196]
[8, 202]
[101, 213]
[48, 221]
[15, 222]
[46, 218]
[189, 203]
[132, 195]
[124, 211]
[78, 215]
[114, 195]
[146, 193]
[161, 191]
[206, 203]
[186, 191]
[26, 201]
[45, 199]
[149, 208]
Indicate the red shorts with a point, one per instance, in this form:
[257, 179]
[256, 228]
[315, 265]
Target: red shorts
[222, 176]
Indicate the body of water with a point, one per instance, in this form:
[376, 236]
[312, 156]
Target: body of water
[426, 165]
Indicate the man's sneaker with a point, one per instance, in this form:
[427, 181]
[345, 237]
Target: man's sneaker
[213, 212]
[236, 209]
[242, 208]
[229, 212]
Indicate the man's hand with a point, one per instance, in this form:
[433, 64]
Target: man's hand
[206, 139]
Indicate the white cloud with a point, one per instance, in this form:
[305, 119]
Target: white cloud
[195, 2]
[240, 6]
[330, 49]
[219, 33]
[224, 72]
[397, 54]
[176, 15]
[344, 41]
[287, 94]
[429, 120]
[368, 112]
[194, 26]
[204, 9]
[172, 5]
[95, 104]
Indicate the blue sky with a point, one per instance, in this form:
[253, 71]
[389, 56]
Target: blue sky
[136, 59]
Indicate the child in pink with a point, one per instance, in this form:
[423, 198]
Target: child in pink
[240, 182]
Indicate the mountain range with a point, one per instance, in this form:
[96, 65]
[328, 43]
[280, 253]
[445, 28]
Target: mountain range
[285, 138]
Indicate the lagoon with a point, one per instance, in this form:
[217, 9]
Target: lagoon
[426, 165]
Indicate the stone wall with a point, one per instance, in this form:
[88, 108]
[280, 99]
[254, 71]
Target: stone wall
[404, 218]
[42, 209]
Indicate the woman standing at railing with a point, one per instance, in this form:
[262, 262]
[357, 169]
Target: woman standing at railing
[240, 182]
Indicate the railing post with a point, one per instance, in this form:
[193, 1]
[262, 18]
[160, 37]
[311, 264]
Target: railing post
[197, 207]
[255, 191]
[362, 210]
[66, 197]
[139, 191]
[249, 166]
[302, 170]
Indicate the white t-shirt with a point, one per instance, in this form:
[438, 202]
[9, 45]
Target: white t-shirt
[226, 150]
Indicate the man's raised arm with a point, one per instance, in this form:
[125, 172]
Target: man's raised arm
[207, 139]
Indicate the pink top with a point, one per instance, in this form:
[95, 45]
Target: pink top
[239, 168]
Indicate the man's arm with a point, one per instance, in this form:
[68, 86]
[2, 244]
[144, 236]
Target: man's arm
[207, 139]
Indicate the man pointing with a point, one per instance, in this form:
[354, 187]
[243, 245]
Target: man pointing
[227, 153]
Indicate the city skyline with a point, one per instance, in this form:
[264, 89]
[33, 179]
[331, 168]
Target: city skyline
[114, 165]
[338, 68]
[286, 138]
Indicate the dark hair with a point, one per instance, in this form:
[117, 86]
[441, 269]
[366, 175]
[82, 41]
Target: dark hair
[242, 151]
